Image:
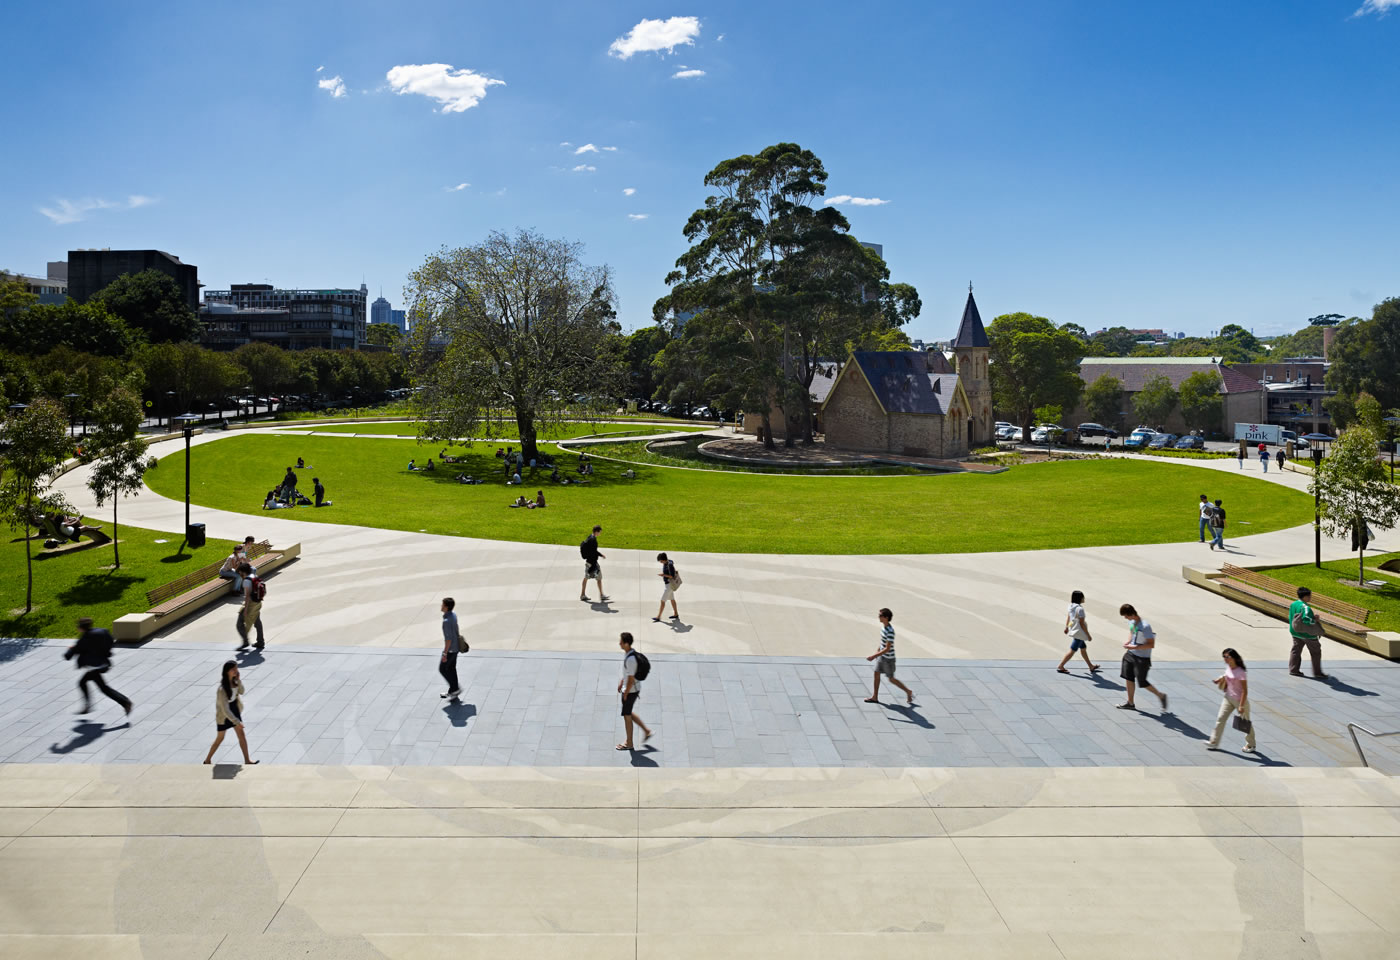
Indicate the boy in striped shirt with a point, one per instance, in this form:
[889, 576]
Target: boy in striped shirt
[884, 658]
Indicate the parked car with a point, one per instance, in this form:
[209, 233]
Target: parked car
[1139, 438]
[1189, 443]
[1008, 431]
[1298, 442]
[1087, 430]
[1162, 440]
[1045, 432]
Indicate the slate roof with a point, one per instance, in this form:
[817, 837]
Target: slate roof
[1134, 373]
[903, 383]
[938, 363]
[971, 333]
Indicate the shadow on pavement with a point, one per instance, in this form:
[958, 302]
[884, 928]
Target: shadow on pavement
[13, 648]
[1342, 687]
[910, 714]
[86, 732]
[641, 756]
[1172, 722]
[459, 713]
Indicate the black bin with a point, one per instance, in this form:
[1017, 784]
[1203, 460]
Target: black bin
[194, 535]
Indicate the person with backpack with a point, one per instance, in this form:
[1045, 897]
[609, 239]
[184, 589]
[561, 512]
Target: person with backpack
[671, 582]
[592, 570]
[1306, 630]
[94, 653]
[635, 668]
[452, 644]
[1217, 525]
[1204, 524]
[1264, 457]
[250, 613]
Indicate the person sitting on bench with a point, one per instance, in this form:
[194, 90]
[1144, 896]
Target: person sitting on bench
[320, 493]
[229, 570]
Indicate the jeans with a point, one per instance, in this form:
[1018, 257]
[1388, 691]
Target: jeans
[245, 621]
[1295, 659]
[448, 668]
[1218, 537]
[1265, 462]
[1227, 707]
[95, 676]
[234, 578]
[1202, 527]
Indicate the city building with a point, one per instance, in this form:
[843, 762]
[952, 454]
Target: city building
[1296, 392]
[399, 318]
[379, 310]
[1244, 399]
[89, 271]
[295, 319]
[52, 290]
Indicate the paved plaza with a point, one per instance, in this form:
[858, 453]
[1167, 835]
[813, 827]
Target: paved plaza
[1011, 813]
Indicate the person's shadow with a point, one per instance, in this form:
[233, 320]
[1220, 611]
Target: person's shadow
[459, 713]
[85, 733]
[1257, 757]
[910, 714]
[1101, 681]
[640, 757]
[1342, 687]
[679, 627]
[602, 606]
[1172, 722]
[250, 657]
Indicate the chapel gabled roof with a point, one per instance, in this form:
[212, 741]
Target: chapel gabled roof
[971, 333]
[903, 383]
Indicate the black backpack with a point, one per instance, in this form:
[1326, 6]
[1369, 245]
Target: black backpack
[588, 549]
[643, 665]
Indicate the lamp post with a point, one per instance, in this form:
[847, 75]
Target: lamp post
[72, 401]
[1392, 423]
[1315, 442]
[187, 422]
[169, 409]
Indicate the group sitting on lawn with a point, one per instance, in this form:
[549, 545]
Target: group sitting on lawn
[537, 503]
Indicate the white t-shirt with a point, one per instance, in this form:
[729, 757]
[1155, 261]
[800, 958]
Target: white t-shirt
[629, 669]
[1207, 508]
[1141, 632]
[1076, 629]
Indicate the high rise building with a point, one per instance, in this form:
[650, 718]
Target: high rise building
[399, 318]
[295, 319]
[379, 310]
[91, 270]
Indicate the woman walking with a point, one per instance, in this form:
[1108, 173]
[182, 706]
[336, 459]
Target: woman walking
[1234, 684]
[1077, 629]
[228, 710]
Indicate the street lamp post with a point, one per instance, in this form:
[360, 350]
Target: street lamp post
[71, 402]
[1315, 442]
[1392, 423]
[187, 422]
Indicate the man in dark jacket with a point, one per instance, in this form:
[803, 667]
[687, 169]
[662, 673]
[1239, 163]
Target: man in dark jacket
[94, 653]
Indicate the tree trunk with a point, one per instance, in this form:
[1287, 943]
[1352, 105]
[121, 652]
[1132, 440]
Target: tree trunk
[768, 443]
[808, 434]
[525, 424]
[116, 557]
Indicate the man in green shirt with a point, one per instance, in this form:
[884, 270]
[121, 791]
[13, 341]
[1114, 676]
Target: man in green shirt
[1305, 629]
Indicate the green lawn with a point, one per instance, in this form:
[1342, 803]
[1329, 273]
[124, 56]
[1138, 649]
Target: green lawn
[69, 586]
[509, 431]
[1058, 504]
[1383, 603]
[686, 454]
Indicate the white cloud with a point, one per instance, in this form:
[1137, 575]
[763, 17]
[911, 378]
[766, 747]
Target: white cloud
[320, 68]
[854, 201]
[590, 148]
[456, 90]
[71, 211]
[334, 85]
[565, 143]
[638, 216]
[652, 36]
[628, 191]
[584, 168]
[611, 149]
[1378, 7]
[719, 39]
[687, 74]
[460, 186]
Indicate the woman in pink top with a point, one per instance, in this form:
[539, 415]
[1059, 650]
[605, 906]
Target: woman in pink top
[1234, 684]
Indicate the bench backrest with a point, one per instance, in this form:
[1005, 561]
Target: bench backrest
[197, 577]
[1288, 591]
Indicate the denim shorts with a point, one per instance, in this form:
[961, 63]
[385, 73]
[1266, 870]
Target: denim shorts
[1077, 644]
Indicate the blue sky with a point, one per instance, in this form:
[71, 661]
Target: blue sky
[1179, 165]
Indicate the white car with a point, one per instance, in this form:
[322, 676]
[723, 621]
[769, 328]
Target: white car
[1042, 433]
[1008, 431]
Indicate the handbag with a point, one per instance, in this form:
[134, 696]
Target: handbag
[1242, 724]
[1305, 623]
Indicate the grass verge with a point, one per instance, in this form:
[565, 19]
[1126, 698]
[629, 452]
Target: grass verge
[1384, 603]
[509, 431]
[1058, 504]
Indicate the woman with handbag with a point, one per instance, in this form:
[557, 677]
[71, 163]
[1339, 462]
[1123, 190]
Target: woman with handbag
[1234, 684]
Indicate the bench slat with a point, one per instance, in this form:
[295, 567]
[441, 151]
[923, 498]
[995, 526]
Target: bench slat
[1331, 619]
[1288, 591]
[174, 588]
[173, 603]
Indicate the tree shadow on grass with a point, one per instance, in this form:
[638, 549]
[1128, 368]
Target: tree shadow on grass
[96, 588]
[179, 556]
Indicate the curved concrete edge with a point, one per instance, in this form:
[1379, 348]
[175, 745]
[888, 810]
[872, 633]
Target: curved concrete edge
[859, 461]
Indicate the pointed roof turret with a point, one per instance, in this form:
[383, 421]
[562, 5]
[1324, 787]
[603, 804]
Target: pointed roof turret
[971, 333]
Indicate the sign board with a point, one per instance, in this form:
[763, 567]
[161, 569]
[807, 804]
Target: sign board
[1259, 432]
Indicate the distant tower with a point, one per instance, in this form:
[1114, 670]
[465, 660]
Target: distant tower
[379, 310]
[972, 351]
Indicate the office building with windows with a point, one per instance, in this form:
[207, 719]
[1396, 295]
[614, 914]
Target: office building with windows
[399, 318]
[379, 310]
[295, 319]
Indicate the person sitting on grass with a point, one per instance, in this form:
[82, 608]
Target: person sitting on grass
[430, 466]
[555, 477]
[301, 464]
[320, 493]
[629, 474]
[272, 503]
[500, 453]
[514, 480]
[539, 501]
[520, 502]
[413, 465]
[466, 478]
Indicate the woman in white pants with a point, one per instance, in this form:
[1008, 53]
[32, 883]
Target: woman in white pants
[1234, 684]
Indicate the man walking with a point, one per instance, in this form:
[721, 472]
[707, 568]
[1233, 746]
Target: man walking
[1204, 526]
[592, 569]
[635, 669]
[1217, 525]
[1264, 457]
[670, 581]
[94, 653]
[250, 613]
[1137, 661]
[885, 660]
[1077, 629]
[1306, 630]
[452, 645]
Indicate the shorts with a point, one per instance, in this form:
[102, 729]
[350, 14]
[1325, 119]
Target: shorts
[668, 593]
[885, 665]
[226, 725]
[1135, 668]
[591, 570]
[628, 700]
[1075, 643]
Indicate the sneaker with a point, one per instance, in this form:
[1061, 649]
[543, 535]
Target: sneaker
[1295, 673]
[244, 646]
[582, 596]
[602, 599]
[258, 645]
[1164, 703]
[1211, 746]
[1125, 706]
[655, 619]
[1321, 676]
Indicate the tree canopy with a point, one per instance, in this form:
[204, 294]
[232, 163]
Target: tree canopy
[152, 302]
[1033, 364]
[1103, 399]
[1155, 402]
[1202, 401]
[1365, 356]
[1352, 487]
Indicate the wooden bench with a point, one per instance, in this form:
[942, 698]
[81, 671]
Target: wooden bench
[194, 591]
[1337, 614]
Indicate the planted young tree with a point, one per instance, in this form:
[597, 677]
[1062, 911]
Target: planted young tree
[1353, 490]
[38, 442]
[515, 323]
[1202, 403]
[1034, 364]
[1103, 399]
[1155, 402]
[117, 454]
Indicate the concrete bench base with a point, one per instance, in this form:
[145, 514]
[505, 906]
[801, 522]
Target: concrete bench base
[135, 627]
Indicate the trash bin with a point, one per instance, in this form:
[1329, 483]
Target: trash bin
[194, 535]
